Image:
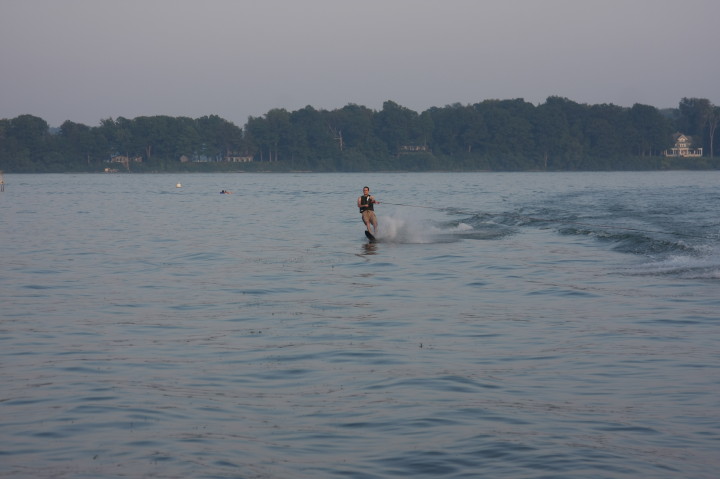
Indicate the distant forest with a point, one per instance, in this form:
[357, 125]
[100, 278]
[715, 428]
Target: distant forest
[495, 135]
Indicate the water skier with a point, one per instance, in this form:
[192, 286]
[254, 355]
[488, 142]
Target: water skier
[366, 204]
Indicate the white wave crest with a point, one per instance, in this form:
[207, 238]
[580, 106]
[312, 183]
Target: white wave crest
[703, 266]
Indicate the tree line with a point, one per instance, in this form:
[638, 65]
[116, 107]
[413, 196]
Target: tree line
[506, 135]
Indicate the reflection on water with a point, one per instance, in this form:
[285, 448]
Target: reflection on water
[369, 248]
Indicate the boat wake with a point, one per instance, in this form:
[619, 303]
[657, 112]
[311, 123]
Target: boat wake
[700, 263]
[665, 248]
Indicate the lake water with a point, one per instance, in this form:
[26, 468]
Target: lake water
[519, 325]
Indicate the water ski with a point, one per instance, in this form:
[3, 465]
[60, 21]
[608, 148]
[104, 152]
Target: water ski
[369, 236]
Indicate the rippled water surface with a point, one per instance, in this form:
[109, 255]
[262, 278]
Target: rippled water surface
[504, 325]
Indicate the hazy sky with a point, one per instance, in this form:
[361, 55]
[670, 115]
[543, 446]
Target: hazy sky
[88, 60]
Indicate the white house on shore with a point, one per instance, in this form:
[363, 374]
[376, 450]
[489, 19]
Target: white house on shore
[683, 148]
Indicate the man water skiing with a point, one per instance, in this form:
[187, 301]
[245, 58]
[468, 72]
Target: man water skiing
[366, 203]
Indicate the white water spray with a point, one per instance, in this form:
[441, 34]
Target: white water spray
[408, 227]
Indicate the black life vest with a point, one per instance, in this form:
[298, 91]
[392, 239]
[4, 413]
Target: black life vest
[365, 204]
